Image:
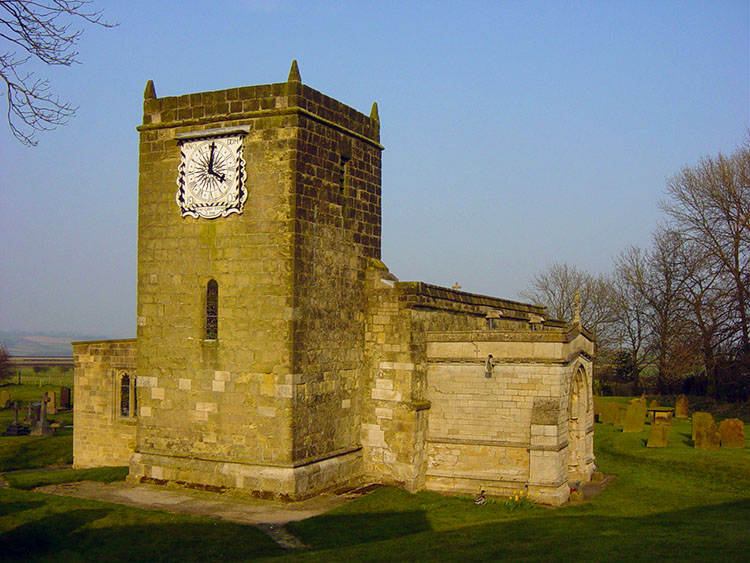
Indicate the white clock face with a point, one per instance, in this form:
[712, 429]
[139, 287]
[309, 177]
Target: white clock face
[210, 170]
[210, 178]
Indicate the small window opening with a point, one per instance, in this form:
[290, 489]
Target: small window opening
[212, 310]
[128, 396]
[125, 395]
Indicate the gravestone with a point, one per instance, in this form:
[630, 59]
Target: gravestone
[681, 407]
[32, 413]
[732, 431]
[706, 432]
[4, 399]
[619, 414]
[42, 427]
[52, 404]
[654, 403]
[659, 434]
[696, 420]
[635, 416]
[65, 398]
[605, 412]
[15, 428]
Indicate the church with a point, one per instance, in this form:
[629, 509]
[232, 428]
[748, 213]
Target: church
[276, 354]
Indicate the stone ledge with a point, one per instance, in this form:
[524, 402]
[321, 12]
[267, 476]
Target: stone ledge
[459, 441]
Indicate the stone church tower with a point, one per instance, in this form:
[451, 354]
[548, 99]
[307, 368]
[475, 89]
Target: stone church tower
[276, 354]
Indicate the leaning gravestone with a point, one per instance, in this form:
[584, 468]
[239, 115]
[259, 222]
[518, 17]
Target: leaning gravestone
[659, 434]
[64, 397]
[706, 432]
[732, 431]
[4, 399]
[681, 407]
[635, 417]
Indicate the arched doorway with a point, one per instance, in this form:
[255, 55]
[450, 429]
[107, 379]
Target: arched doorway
[577, 408]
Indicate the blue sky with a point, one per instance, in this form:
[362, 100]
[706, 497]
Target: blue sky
[517, 134]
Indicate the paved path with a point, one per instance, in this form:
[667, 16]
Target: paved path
[268, 515]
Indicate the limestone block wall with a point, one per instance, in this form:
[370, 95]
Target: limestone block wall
[101, 435]
[513, 429]
[228, 399]
[281, 385]
[423, 424]
[337, 228]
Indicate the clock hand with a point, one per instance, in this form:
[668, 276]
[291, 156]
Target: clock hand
[211, 159]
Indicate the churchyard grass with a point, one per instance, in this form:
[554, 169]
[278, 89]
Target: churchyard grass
[39, 527]
[40, 478]
[29, 452]
[669, 503]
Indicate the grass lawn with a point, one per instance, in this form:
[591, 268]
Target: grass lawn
[675, 503]
[671, 503]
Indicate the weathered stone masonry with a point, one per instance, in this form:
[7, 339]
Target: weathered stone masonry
[326, 370]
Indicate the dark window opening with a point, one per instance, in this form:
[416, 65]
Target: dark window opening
[212, 310]
[125, 395]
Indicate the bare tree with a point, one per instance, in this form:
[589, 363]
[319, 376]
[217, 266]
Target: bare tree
[655, 283]
[629, 312]
[42, 31]
[707, 297]
[556, 286]
[709, 204]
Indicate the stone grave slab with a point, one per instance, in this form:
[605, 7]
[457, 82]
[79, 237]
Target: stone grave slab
[681, 407]
[659, 434]
[15, 428]
[732, 432]
[52, 404]
[597, 409]
[42, 427]
[635, 417]
[619, 414]
[64, 397]
[696, 419]
[706, 432]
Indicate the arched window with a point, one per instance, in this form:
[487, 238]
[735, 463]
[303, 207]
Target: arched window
[212, 310]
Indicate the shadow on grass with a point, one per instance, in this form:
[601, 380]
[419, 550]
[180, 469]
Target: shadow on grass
[349, 529]
[37, 527]
[707, 533]
[34, 539]
[10, 508]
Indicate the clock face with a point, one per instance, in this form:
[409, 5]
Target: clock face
[211, 177]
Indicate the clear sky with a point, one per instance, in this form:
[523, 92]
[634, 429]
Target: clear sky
[517, 134]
